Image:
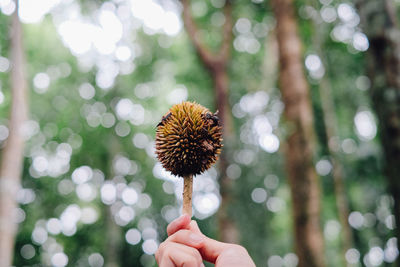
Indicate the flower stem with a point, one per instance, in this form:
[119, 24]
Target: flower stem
[187, 194]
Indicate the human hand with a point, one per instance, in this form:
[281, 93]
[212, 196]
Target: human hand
[181, 247]
[219, 253]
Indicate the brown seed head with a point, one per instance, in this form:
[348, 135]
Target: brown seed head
[188, 139]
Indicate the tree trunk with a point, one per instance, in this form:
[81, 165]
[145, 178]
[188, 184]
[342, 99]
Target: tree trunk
[227, 228]
[342, 204]
[331, 129]
[216, 64]
[12, 155]
[380, 24]
[270, 63]
[303, 180]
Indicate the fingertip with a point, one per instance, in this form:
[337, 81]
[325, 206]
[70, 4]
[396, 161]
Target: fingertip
[184, 221]
[194, 226]
[185, 218]
[181, 222]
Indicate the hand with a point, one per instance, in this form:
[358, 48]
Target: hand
[181, 247]
[221, 254]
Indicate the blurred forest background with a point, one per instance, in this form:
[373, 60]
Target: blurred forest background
[308, 92]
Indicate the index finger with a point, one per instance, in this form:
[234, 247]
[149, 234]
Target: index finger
[180, 223]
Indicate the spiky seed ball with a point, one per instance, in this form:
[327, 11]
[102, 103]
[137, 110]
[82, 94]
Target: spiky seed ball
[188, 139]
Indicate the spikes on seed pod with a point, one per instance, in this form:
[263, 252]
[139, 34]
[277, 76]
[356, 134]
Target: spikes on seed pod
[188, 139]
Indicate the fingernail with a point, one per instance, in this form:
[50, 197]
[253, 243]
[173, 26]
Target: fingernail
[194, 238]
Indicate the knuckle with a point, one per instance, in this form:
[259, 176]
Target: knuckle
[168, 250]
[192, 262]
[196, 257]
[195, 253]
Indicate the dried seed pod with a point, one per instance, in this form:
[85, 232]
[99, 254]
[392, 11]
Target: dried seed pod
[188, 139]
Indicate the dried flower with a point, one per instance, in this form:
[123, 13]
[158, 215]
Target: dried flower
[188, 139]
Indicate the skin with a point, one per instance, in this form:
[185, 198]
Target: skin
[186, 246]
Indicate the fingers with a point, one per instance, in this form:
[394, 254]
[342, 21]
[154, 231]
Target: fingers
[194, 227]
[180, 223]
[186, 244]
[180, 248]
[234, 256]
[188, 238]
[210, 249]
[172, 254]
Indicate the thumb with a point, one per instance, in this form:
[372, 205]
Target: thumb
[211, 248]
[194, 227]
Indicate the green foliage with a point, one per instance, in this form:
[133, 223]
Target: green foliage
[163, 64]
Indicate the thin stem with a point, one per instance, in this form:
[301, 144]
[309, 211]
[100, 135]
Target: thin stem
[187, 194]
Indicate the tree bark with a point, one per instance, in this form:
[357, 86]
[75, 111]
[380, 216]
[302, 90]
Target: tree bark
[342, 204]
[216, 64]
[380, 24]
[331, 129]
[270, 63]
[12, 154]
[303, 180]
